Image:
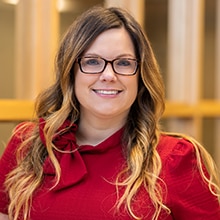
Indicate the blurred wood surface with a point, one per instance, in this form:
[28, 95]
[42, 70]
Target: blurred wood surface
[20, 110]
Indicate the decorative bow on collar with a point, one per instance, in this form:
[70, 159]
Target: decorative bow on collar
[72, 166]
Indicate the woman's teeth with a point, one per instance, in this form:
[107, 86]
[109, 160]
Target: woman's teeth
[107, 92]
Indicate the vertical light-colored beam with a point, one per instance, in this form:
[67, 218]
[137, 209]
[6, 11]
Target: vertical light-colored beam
[136, 8]
[217, 53]
[185, 47]
[217, 83]
[185, 40]
[36, 42]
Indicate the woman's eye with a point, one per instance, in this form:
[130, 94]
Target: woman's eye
[123, 63]
[92, 62]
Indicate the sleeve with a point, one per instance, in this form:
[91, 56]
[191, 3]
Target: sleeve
[188, 196]
[7, 163]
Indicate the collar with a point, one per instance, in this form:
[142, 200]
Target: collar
[68, 153]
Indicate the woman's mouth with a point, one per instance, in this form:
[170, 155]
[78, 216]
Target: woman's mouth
[106, 92]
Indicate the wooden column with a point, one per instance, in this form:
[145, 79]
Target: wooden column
[217, 83]
[185, 39]
[36, 42]
[136, 8]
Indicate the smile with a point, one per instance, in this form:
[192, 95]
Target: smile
[107, 92]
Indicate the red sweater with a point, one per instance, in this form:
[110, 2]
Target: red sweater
[87, 191]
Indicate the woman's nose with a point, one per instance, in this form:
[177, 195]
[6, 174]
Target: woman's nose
[108, 74]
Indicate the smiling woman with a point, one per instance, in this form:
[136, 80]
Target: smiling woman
[96, 150]
[113, 93]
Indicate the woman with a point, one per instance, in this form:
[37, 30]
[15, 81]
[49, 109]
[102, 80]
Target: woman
[96, 150]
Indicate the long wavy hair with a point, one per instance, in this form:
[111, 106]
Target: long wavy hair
[59, 102]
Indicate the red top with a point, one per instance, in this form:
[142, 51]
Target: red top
[87, 191]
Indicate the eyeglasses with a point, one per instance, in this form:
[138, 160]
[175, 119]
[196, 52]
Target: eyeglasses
[94, 65]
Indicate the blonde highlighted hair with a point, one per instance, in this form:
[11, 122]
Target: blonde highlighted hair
[141, 134]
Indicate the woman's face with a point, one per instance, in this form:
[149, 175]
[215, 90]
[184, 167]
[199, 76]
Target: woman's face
[107, 94]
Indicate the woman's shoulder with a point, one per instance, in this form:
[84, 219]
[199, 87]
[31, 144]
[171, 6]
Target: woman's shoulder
[174, 144]
[175, 150]
[188, 194]
[21, 132]
[24, 127]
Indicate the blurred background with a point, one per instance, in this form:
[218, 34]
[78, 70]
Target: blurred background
[185, 35]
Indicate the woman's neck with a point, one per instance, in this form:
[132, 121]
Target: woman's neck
[92, 131]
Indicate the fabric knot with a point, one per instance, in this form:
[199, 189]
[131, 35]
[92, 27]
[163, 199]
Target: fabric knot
[72, 166]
